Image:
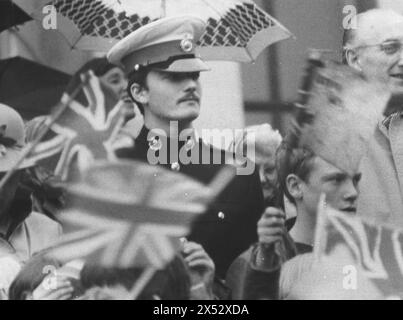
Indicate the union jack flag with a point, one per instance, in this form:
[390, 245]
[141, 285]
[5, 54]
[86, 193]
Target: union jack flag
[376, 249]
[114, 242]
[122, 214]
[83, 134]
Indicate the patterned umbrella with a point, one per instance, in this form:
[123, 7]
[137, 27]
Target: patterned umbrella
[240, 26]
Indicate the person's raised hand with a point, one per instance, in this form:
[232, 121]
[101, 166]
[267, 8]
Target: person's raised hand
[201, 266]
[271, 226]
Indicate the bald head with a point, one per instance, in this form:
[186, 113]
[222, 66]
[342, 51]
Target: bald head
[371, 26]
[375, 47]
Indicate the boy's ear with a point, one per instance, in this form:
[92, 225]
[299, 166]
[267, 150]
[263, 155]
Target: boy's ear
[139, 93]
[294, 186]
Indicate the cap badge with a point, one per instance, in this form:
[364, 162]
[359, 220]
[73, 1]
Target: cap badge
[221, 215]
[187, 44]
[175, 166]
[155, 144]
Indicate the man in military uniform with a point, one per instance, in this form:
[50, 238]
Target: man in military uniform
[164, 73]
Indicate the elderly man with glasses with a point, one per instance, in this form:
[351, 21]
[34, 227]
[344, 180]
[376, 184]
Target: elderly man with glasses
[375, 48]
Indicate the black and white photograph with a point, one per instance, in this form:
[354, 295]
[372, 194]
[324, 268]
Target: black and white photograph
[221, 151]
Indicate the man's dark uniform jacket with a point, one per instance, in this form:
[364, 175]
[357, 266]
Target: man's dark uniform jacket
[229, 226]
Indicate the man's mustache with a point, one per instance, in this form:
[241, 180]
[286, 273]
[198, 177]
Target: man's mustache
[190, 97]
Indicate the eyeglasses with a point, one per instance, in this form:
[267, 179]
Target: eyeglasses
[389, 47]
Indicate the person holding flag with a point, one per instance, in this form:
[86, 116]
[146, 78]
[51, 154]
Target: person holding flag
[320, 157]
[303, 177]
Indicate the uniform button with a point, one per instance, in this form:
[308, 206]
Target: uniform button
[175, 166]
[155, 144]
[221, 215]
[190, 143]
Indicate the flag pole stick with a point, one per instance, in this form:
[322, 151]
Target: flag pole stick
[321, 220]
[141, 283]
[59, 110]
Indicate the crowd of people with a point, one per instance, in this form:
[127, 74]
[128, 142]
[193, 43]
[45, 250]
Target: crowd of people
[256, 239]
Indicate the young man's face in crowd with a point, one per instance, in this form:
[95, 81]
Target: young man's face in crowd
[7, 194]
[116, 81]
[383, 59]
[173, 96]
[341, 190]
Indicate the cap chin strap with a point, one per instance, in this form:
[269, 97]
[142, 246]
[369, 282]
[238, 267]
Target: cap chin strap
[166, 64]
[155, 54]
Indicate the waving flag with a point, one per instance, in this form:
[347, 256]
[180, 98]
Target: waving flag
[345, 109]
[377, 250]
[83, 133]
[112, 242]
[122, 214]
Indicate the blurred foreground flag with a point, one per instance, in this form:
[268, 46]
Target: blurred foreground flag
[345, 109]
[130, 214]
[375, 250]
[86, 130]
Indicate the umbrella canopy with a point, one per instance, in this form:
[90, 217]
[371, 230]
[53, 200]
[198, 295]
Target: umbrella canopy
[237, 30]
[11, 15]
[29, 87]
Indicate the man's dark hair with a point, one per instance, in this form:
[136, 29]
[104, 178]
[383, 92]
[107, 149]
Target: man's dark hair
[292, 159]
[140, 77]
